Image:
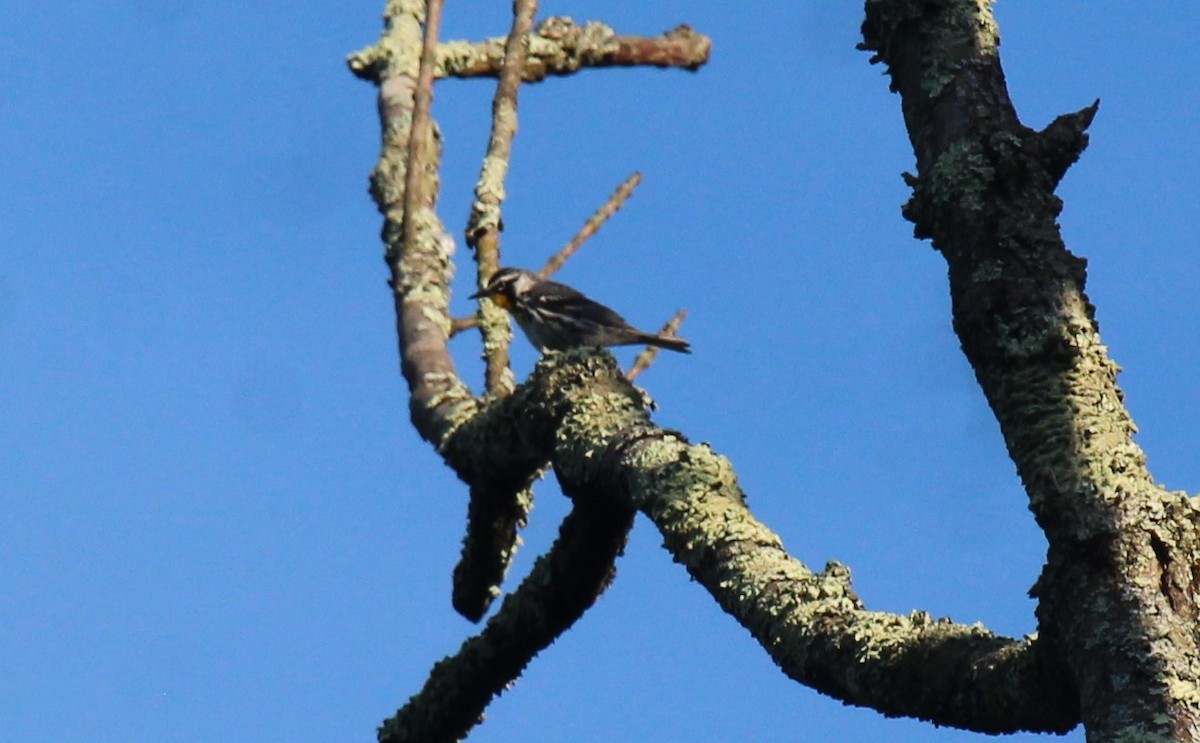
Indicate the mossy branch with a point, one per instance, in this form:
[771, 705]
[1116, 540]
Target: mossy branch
[557, 47]
[984, 194]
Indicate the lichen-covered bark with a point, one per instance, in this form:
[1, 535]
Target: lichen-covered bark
[814, 626]
[562, 584]
[496, 512]
[589, 391]
[557, 47]
[1115, 609]
[417, 251]
[605, 448]
[578, 410]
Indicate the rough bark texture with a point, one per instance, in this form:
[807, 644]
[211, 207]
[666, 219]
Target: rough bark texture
[419, 251]
[813, 625]
[417, 248]
[1115, 605]
[557, 47]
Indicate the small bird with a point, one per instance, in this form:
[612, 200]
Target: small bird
[555, 317]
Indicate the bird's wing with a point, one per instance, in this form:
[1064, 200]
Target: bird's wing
[565, 300]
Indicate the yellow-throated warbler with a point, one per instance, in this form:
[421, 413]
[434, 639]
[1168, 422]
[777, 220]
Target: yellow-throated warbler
[555, 317]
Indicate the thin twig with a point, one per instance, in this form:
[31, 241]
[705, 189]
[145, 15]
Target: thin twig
[459, 324]
[644, 359]
[592, 225]
[483, 227]
[419, 137]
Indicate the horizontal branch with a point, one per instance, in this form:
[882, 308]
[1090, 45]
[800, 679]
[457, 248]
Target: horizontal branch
[557, 47]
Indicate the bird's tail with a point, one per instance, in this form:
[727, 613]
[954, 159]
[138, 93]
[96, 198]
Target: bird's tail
[668, 342]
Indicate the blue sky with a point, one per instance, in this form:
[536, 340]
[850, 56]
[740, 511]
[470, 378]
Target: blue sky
[217, 521]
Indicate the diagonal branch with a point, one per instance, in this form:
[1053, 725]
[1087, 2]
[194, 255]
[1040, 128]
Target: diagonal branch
[647, 356]
[592, 225]
[563, 584]
[814, 626]
[985, 195]
[578, 410]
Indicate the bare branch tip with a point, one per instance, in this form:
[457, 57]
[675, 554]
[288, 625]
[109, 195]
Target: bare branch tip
[644, 359]
[593, 224]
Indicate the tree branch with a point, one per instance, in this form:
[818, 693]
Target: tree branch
[556, 261]
[592, 225]
[579, 410]
[647, 356]
[558, 47]
[496, 513]
[814, 626]
[418, 250]
[984, 194]
[563, 584]
[580, 413]
[521, 428]
[484, 224]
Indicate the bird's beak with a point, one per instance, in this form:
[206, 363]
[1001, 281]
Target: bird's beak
[487, 292]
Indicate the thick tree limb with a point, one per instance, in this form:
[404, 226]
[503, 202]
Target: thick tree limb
[418, 249]
[984, 194]
[815, 627]
[580, 413]
[565, 581]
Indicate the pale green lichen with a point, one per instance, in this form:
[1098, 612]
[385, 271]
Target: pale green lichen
[965, 30]
[957, 32]
[490, 188]
[1138, 734]
[961, 175]
[453, 57]
[987, 270]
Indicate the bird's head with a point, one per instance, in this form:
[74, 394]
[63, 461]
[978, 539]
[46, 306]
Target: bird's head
[506, 285]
